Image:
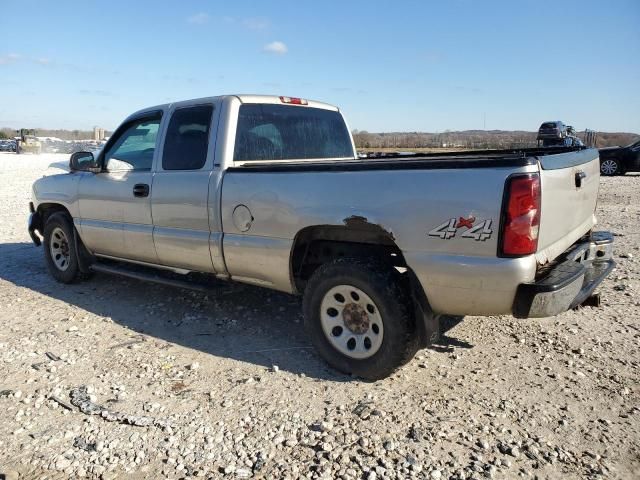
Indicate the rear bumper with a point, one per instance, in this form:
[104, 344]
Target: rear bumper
[570, 282]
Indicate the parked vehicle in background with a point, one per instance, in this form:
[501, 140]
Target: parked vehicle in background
[557, 134]
[269, 191]
[563, 142]
[28, 142]
[552, 130]
[7, 145]
[620, 160]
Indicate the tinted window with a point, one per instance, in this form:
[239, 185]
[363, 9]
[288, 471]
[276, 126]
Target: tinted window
[282, 132]
[133, 148]
[185, 147]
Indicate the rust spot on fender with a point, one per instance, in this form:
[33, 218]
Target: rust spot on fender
[362, 223]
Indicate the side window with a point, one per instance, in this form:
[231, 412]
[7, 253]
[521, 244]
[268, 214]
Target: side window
[133, 148]
[185, 147]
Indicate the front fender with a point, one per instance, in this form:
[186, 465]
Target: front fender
[61, 189]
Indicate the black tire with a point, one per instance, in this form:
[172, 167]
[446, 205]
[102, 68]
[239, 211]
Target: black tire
[72, 271]
[387, 289]
[606, 167]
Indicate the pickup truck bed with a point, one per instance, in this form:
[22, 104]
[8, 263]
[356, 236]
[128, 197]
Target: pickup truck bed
[461, 275]
[467, 159]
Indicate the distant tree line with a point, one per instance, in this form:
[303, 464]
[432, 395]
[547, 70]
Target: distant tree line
[58, 133]
[475, 139]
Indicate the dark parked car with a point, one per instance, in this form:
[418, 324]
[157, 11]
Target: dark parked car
[7, 146]
[620, 160]
[552, 130]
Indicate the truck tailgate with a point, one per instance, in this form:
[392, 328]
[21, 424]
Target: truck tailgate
[569, 183]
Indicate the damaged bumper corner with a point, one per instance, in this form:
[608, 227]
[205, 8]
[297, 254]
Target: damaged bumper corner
[34, 225]
[570, 283]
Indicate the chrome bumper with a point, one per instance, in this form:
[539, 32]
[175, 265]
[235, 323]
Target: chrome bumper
[570, 282]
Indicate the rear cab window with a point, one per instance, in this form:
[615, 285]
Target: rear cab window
[286, 132]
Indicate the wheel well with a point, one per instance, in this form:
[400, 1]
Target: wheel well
[45, 210]
[314, 246]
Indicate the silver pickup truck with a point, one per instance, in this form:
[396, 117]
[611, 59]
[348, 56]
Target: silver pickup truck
[269, 191]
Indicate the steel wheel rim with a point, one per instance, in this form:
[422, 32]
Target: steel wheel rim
[351, 322]
[59, 248]
[608, 167]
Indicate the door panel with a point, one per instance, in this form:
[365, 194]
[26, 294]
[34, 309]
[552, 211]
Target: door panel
[113, 220]
[181, 190]
[181, 219]
[115, 205]
[102, 236]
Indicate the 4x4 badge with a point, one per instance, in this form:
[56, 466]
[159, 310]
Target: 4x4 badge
[447, 230]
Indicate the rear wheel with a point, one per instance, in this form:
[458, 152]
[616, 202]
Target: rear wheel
[360, 317]
[611, 167]
[60, 248]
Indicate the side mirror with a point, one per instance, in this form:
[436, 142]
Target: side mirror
[84, 162]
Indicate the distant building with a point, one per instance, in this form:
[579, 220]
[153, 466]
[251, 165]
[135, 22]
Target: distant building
[98, 134]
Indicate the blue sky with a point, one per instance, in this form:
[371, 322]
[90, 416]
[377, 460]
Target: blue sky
[390, 66]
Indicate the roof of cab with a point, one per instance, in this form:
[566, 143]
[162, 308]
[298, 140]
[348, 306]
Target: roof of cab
[244, 98]
[275, 99]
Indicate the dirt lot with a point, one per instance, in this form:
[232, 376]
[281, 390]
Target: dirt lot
[226, 384]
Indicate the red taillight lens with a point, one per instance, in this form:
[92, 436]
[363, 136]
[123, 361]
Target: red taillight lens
[521, 220]
[293, 100]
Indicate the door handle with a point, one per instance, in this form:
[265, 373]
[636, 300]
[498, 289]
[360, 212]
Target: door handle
[141, 190]
[579, 177]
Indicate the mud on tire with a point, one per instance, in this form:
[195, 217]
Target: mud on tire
[387, 301]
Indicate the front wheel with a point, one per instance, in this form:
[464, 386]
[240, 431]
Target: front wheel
[610, 167]
[360, 317]
[60, 248]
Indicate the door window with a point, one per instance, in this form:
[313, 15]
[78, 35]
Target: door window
[133, 149]
[185, 147]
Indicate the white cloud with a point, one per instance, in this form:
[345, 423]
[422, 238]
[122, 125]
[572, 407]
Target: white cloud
[256, 23]
[277, 48]
[199, 18]
[9, 58]
[43, 61]
[250, 23]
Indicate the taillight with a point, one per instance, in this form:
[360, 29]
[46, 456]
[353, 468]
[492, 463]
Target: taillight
[293, 100]
[521, 216]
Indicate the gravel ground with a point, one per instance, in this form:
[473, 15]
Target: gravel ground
[114, 378]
